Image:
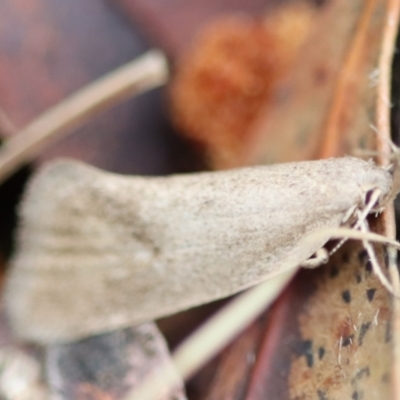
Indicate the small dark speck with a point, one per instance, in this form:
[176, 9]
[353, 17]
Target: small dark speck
[346, 296]
[358, 278]
[363, 373]
[305, 349]
[364, 260]
[363, 256]
[321, 353]
[345, 257]
[334, 271]
[357, 396]
[321, 395]
[347, 340]
[370, 294]
[363, 330]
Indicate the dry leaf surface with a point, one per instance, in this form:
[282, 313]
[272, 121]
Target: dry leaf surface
[344, 322]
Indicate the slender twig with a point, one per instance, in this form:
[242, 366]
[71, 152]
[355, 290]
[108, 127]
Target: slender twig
[144, 73]
[383, 126]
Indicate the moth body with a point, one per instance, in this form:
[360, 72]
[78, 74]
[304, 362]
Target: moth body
[99, 251]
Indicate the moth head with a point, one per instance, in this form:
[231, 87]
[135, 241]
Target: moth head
[393, 171]
[374, 180]
[377, 188]
[374, 198]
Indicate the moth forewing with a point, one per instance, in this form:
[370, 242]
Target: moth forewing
[99, 251]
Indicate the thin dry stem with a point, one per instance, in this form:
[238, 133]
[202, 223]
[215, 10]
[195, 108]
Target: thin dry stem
[361, 218]
[383, 126]
[217, 332]
[385, 77]
[340, 233]
[145, 73]
[374, 262]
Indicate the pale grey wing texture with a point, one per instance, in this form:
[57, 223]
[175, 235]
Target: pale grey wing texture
[98, 251]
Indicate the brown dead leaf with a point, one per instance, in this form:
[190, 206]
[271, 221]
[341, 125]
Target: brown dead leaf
[330, 91]
[341, 343]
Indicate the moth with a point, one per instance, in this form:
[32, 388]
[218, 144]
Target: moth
[97, 251]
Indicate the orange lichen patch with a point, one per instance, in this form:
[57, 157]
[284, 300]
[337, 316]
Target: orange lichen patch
[230, 74]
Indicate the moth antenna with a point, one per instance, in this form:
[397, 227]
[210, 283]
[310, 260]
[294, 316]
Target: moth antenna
[388, 140]
[350, 233]
[367, 209]
[361, 217]
[364, 236]
[374, 262]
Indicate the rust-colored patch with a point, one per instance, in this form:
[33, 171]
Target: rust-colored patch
[355, 334]
[231, 73]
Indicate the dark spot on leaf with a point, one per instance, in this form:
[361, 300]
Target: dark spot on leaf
[364, 372]
[345, 257]
[358, 278]
[347, 340]
[321, 353]
[357, 396]
[305, 349]
[344, 331]
[334, 271]
[321, 395]
[364, 260]
[346, 296]
[370, 294]
[363, 256]
[363, 330]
